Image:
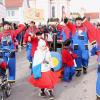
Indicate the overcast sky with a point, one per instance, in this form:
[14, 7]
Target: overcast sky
[89, 5]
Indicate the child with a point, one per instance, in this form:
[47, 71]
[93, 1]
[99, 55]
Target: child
[47, 80]
[68, 61]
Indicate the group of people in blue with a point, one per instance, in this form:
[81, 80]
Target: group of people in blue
[75, 38]
[81, 33]
[76, 43]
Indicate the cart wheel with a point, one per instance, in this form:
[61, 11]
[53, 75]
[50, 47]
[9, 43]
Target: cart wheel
[8, 90]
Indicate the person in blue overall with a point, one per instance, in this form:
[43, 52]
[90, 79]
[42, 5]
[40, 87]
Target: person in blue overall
[30, 33]
[7, 38]
[80, 44]
[96, 51]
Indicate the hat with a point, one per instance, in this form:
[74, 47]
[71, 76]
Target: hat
[32, 22]
[98, 24]
[78, 18]
[67, 42]
[41, 43]
[6, 23]
[38, 33]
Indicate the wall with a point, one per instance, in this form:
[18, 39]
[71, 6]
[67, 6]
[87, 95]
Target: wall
[2, 12]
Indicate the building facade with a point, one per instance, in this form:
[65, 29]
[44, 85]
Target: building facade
[24, 10]
[2, 10]
[14, 10]
[59, 8]
[51, 8]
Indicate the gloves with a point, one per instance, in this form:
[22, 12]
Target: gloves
[29, 38]
[52, 69]
[66, 20]
[83, 18]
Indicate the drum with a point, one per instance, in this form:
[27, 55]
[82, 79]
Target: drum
[57, 60]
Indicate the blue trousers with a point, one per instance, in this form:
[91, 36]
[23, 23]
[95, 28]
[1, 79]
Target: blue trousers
[28, 51]
[11, 63]
[81, 63]
[98, 79]
[82, 60]
[98, 85]
[68, 73]
[12, 69]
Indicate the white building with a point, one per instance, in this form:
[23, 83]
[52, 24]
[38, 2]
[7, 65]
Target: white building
[51, 8]
[18, 10]
[14, 10]
[59, 8]
[2, 10]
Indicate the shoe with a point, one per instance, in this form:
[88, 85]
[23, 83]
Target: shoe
[98, 98]
[42, 95]
[78, 74]
[51, 97]
[84, 70]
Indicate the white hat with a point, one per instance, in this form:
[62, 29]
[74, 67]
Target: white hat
[41, 43]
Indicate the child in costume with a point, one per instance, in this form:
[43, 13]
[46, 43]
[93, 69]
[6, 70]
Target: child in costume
[43, 77]
[68, 61]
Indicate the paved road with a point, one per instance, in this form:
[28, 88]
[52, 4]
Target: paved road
[82, 88]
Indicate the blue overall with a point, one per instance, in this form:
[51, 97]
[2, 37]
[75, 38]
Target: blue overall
[9, 57]
[61, 35]
[64, 38]
[98, 78]
[93, 52]
[68, 73]
[58, 34]
[80, 46]
[28, 51]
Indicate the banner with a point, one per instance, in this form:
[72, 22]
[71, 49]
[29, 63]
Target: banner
[34, 14]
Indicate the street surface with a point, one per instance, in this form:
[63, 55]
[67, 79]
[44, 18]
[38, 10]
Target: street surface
[82, 88]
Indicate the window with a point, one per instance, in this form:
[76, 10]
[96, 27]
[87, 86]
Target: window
[53, 11]
[10, 13]
[13, 13]
[1, 1]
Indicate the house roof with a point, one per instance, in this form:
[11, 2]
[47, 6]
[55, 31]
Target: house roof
[13, 3]
[93, 15]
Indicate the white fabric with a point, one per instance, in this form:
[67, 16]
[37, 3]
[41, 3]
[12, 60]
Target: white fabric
[41, 43]
[41, 55]
[80, 32]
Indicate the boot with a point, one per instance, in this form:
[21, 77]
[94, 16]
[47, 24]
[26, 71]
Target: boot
[84, 70]
[30, 65]
[42, 93]
[98, 98]
[78, 74]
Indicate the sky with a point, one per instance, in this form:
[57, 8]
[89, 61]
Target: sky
[88, 5]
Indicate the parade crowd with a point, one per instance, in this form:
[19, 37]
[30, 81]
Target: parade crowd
[40, 43]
